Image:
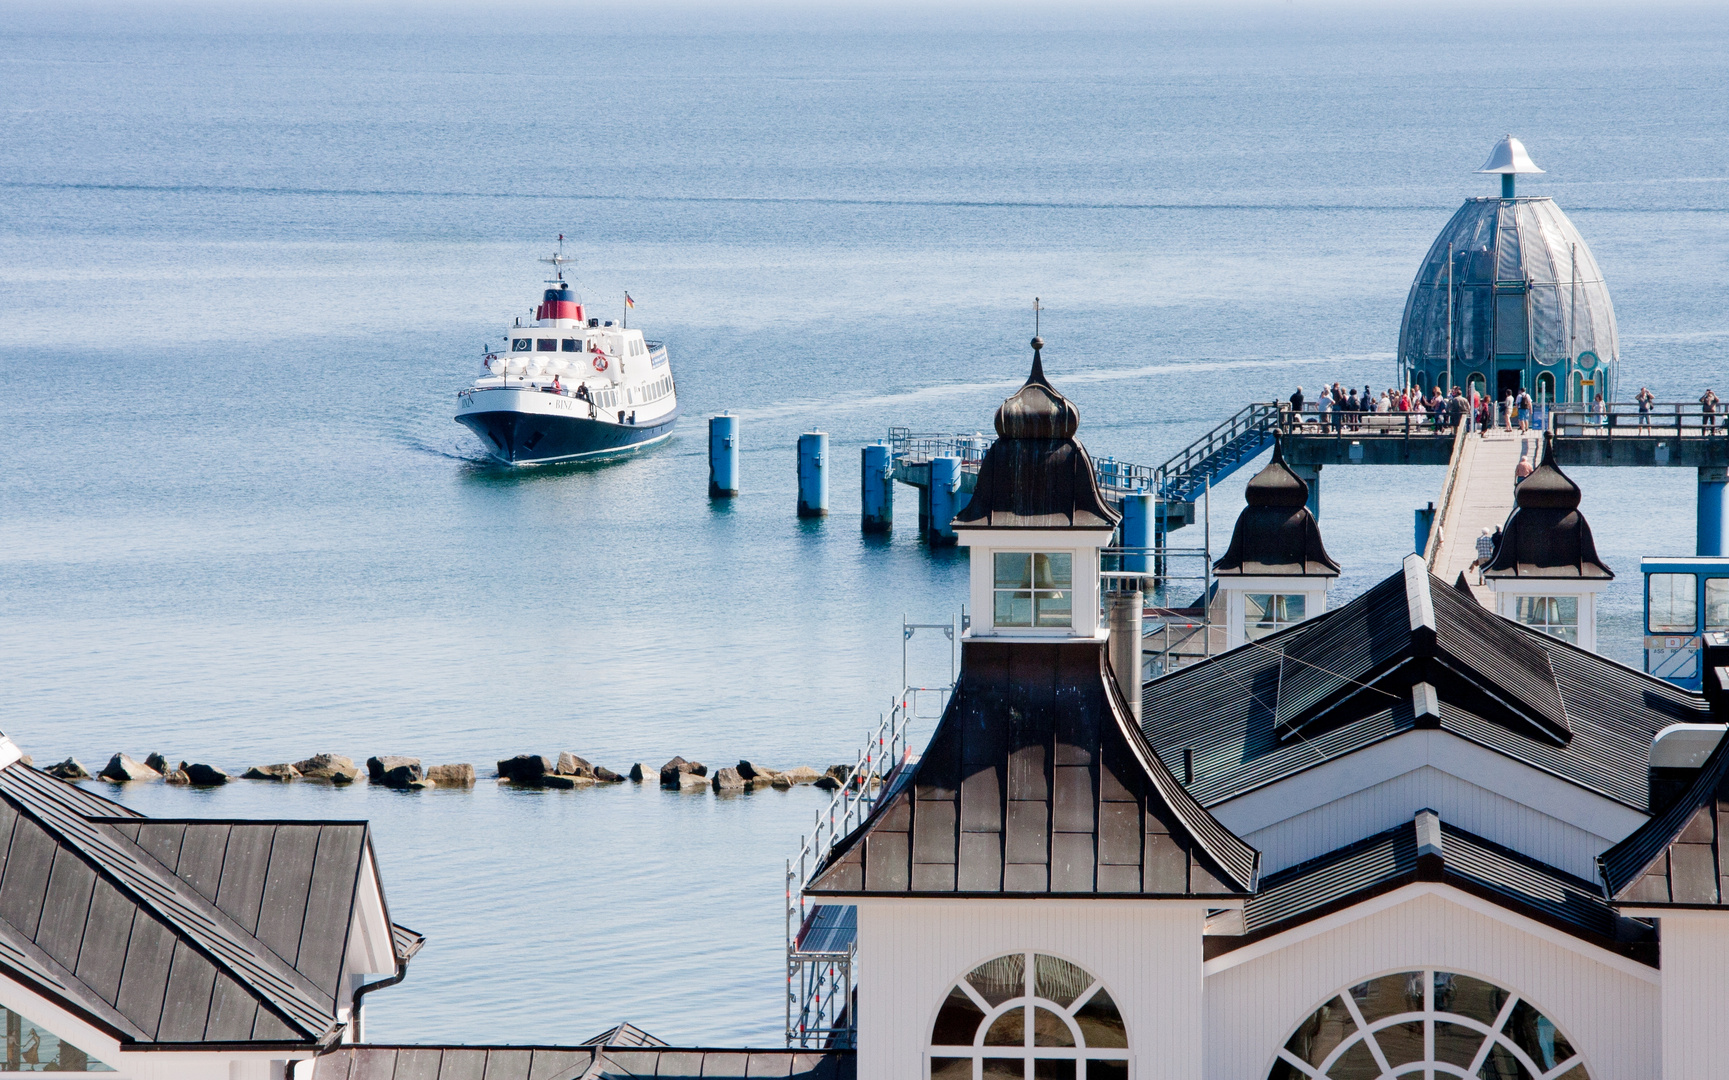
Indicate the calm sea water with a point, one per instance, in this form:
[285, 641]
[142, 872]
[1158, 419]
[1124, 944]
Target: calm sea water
[247, 255]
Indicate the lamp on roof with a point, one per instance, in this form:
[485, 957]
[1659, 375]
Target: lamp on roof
[1509, 159]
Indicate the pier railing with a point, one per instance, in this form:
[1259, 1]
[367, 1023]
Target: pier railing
[1614, 419]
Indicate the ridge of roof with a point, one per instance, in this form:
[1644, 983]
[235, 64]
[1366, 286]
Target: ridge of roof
[582, 1062]
[1009, 797]
[1427, 848]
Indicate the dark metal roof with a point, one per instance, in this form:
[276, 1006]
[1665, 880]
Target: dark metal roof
[1036, 783]
[1546, 536]
[1276, 535]
[1428, 849]
[177, 932]
[577, 1063]
[1344, 680]
[1037, 475]
[1675, 858]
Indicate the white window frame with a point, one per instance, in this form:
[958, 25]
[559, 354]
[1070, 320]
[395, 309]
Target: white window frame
[1027, 1052]
[1493, 1035]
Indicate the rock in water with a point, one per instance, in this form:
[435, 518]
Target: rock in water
[571, 765]
[525, 768]
[121, 769]
[677, 767]
[642, 771]
[176, 776]
[400, 772]
[157, 762]
[827, 782]
[565, 781]
[801, 774]
[69, 769]
[280, 773]
[205, 775]
[606, 775]
[379, 767]
[751, 771]
[729, 780]
[689, 781]
[326, 767]
[451, 775]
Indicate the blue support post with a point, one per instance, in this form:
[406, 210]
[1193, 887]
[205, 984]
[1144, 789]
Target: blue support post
[813, 474]
[1425, 524]
[877, 488]
[722, 456]
[945, 500]
[1713, 510]
[1138, 512]
[1311, 475]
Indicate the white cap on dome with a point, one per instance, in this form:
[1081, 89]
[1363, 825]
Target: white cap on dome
[1509, 157]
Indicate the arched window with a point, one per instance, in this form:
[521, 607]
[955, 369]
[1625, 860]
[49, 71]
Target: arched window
[1478, 383]
[1545, 388]
[1422, 1024]
[1028, 1016]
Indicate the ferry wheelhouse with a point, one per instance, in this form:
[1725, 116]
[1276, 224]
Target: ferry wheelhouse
[568, 387]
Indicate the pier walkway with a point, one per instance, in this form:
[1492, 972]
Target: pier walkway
[1477, 493]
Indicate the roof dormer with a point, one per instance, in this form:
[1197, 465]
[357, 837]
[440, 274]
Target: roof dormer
[1036, 522]
[1276, 572]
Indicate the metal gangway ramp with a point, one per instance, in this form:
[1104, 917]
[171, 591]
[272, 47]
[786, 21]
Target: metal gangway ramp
[1476, 494]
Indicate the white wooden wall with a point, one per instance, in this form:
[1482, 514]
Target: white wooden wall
[1147, 954]
[1608, 1006]
[1459, 802]
[1695, 971]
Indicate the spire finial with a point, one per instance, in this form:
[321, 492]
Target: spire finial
[1038, 374]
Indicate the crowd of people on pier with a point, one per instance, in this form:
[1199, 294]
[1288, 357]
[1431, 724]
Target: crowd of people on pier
[1339, 409]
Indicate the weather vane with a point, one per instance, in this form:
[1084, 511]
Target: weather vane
[1036, 310]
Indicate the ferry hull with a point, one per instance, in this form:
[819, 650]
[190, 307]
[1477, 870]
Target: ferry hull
[534, 438]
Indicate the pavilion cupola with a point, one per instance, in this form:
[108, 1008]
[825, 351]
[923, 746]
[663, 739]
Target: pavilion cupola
[1276, 572]
[1036, 522]
[1546, 574]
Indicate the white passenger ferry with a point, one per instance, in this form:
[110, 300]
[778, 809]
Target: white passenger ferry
[569, 387]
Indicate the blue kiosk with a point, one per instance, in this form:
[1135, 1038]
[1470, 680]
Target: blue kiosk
[1684, 598]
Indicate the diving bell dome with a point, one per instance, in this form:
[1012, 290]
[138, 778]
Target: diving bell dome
[1512, 290]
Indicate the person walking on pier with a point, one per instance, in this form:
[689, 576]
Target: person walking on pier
[1708, 401]
[1644, 397]
[1297, 409]
[1507, 410]
[1485, 551]
[1522, 470]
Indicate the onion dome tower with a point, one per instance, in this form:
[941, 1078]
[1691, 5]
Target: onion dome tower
[1546, 573]
[1038, 792]
[1509, 298]
[1276, 572]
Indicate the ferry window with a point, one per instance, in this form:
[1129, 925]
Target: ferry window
[1717, 603]
[1268, 613]
[572, 345]
[1557, 616]
[1033, 588]
[1672, 603]
[546, 344]
[521, 344]
[1029, 1015]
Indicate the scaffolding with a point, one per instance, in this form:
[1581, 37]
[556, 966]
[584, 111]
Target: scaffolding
[822, 939]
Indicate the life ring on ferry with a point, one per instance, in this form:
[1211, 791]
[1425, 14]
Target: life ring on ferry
[599, 362]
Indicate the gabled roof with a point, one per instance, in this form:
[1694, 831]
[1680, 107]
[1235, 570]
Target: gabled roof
[1037, 475]
[1674, 860]
[1276, 535]
[1428, 849]
[625, 1034]
[1546, 536]
[1036, 783]
[184, 932]
[1411, 653]
[373, 1062]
